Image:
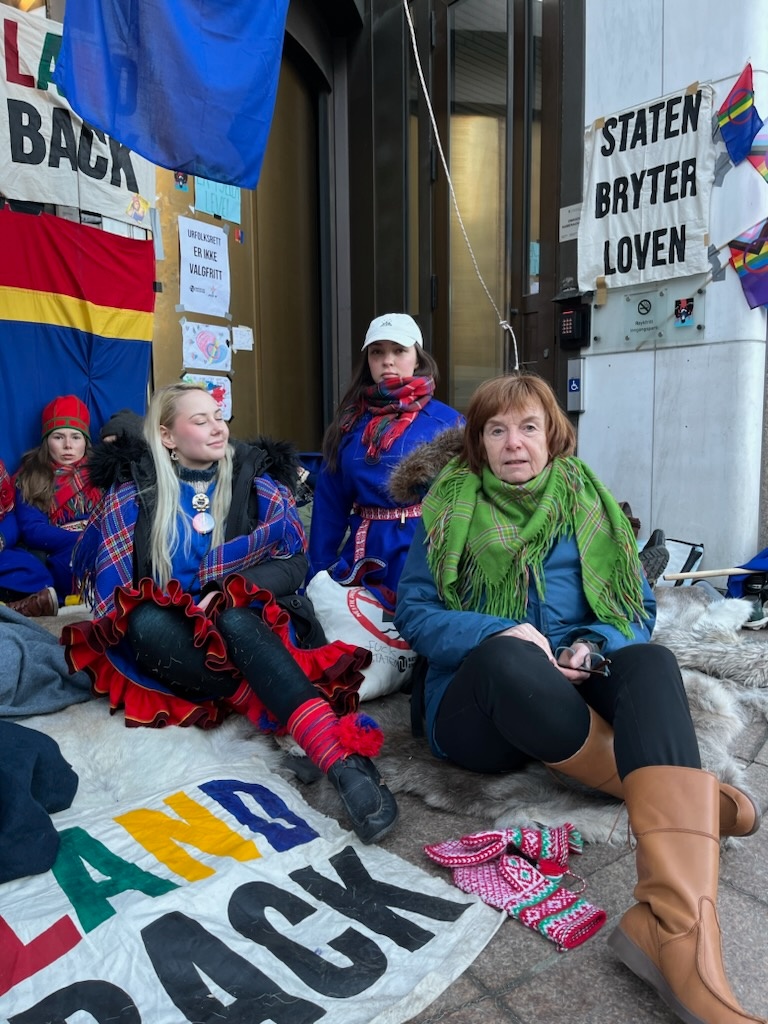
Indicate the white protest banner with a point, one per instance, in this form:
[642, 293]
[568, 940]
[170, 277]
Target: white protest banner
[203, 268]
[228, 898]
[47, 153]
[647, 180]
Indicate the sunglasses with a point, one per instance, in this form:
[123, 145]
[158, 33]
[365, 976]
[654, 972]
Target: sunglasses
[594, 663]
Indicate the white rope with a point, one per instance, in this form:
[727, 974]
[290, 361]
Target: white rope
[504, 324]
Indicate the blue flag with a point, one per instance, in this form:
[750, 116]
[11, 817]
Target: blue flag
[188, 84]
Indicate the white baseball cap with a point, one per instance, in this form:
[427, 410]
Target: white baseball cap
[397, 327]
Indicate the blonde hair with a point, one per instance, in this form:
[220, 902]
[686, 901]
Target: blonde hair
[164, 533]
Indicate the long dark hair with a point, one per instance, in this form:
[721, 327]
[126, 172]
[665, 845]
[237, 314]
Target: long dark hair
[36, 478]
[362, 379]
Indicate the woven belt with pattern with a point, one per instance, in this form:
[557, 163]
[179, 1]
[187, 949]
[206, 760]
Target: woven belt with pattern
[371, 512]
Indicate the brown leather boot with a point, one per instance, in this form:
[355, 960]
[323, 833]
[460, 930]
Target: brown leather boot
[739, 814]
[594, 764]
[44, 602]
[671, 937]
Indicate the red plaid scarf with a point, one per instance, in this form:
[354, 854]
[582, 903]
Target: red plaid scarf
[7, 494]
[74, 497]
[394, 405]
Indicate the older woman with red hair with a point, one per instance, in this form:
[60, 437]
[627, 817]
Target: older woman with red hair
[524, 592]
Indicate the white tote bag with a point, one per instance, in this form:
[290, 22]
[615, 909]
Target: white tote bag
[354, 615]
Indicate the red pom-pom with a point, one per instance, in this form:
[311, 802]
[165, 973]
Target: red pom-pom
[359, 734]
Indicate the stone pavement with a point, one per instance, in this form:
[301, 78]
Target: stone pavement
[520, 978]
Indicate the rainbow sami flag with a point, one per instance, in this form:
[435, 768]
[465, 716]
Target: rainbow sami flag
[749, 258]
[737, 118]
[759, 151]
[76, 317]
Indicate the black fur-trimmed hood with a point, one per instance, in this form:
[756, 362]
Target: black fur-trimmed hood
[128, 458]
[409, 481]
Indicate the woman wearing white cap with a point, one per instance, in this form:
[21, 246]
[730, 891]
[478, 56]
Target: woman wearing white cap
[358, 532]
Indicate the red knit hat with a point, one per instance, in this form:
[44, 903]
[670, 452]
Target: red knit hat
[66, 412]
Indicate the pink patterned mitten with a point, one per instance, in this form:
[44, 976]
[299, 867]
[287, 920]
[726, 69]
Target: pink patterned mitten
[539, 903]
[487, 882]
[476, 848]
[548, 848]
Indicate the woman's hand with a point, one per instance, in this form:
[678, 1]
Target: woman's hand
[579, 655]
[525, 631]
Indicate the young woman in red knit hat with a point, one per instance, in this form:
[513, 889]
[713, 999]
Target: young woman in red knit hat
[54, 498]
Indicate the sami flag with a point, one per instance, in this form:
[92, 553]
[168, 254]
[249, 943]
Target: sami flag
[749, 258]
[738, 119]
[188, 84]
[759, 151]
[76, 317]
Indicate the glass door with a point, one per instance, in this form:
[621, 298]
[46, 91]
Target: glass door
[478, 103]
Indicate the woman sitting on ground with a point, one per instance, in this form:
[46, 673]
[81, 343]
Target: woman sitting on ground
[54, 499]
[26, 585]
[524, 592]
[192, 544]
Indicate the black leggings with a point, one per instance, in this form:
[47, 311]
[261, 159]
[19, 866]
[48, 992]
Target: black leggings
[508, 705]
[162, 642]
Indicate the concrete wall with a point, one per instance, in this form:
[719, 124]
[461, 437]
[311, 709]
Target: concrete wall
[676, 424]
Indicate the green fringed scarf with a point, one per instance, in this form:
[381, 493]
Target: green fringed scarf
[488, 539]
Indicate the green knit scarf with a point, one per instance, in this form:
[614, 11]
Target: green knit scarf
[487, 539]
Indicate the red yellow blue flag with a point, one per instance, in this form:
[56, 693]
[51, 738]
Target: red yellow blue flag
[76, 317]
[749, 258]
[737, 118]
[759, 151]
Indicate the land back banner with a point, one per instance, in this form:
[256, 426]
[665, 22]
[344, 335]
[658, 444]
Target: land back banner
[47, 153]
[228, 899]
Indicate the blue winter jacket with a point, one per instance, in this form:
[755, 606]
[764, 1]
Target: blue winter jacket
[365, 483]
[445, 637]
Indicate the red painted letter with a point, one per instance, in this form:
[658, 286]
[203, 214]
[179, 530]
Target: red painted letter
[11, 40]
[19, 961]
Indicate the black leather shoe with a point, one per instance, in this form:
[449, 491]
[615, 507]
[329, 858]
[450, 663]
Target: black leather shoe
[369, 804]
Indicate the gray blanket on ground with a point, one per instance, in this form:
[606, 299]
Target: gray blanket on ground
[34, 678]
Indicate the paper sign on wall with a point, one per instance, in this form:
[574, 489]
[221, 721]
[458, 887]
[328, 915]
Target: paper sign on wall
[217, 199]
[242, 339]
[204, 281]
[206, 346]
[220, 388]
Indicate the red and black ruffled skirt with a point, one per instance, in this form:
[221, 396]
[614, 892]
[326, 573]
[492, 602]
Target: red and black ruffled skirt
[101, 649]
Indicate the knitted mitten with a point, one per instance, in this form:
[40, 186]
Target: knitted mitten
[564, 917]
[513, 885]
[477, 848]
[548, 848]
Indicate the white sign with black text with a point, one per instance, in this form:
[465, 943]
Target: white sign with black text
[204, 283]
[648, 174]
